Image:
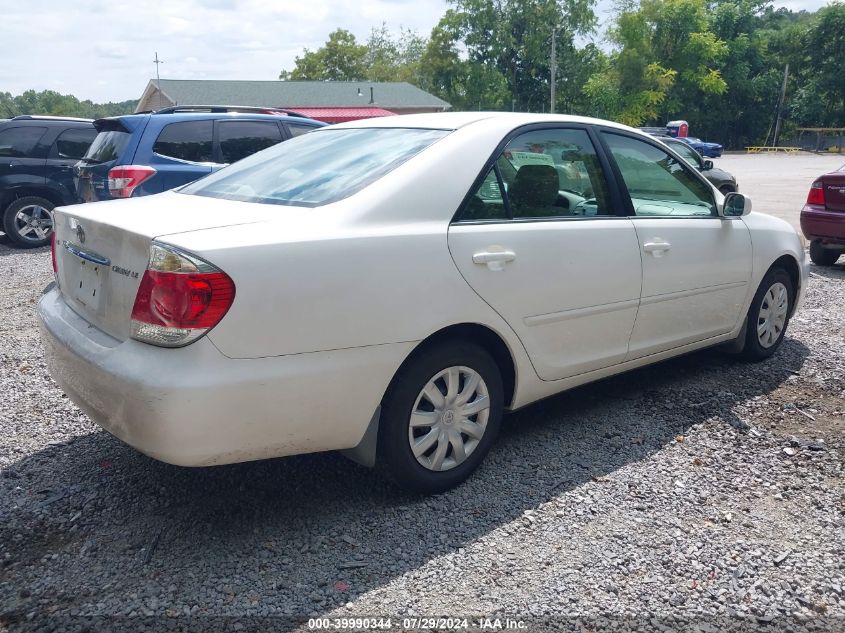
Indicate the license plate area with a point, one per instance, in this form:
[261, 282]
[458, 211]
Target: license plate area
[86, 280]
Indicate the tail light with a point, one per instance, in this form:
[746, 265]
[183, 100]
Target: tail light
[181, 297]
[816, 195]
[125, 179]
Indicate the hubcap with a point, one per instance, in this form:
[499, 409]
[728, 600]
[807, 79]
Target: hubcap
[449, 418]
[34, 222]
[772, 316]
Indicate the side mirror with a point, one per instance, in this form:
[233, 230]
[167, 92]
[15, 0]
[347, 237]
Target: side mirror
[736, 205]
[708, 164]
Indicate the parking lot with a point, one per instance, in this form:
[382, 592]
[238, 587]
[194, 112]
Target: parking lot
[693, 491]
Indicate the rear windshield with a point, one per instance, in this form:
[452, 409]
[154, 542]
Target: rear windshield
[108, 146]
[318, 168]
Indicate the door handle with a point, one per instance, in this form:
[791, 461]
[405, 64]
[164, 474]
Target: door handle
[657, 247]
[495, 260]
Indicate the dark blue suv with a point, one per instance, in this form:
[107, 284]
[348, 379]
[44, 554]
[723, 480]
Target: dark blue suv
[146, 153]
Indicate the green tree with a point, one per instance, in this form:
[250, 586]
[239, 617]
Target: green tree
[341, 58]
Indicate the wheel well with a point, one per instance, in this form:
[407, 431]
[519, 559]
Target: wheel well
[788, 263]
[486, 338]
[15, 194]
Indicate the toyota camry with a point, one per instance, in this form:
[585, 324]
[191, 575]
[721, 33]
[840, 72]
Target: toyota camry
[389, 288]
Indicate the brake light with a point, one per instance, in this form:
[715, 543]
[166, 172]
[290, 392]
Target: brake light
[53, 251]
[123, 180]
[181, 297]
[816, 195]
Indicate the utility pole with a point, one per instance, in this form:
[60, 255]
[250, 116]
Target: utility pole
[781, 100]
[553, 66]
[157, 61]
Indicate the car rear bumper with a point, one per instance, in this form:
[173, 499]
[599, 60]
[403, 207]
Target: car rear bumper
[193, 406]
[825, 226]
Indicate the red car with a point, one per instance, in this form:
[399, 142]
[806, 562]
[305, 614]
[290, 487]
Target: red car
[823, 218]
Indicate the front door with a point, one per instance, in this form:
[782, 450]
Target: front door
[696, 265]
[543, 242]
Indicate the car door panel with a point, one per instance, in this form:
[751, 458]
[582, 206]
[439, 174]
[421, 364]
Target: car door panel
[696, 287]
[568, 288]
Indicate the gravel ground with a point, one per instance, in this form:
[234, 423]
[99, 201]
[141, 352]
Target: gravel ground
[701, 490]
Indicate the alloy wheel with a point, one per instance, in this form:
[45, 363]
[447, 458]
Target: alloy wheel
[34, 222]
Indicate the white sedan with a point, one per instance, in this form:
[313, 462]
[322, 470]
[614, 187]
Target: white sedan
[388, 288]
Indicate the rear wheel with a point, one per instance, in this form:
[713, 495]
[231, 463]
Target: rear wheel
[822, 256]
[768, 315]
[440, 416]
[28, 221]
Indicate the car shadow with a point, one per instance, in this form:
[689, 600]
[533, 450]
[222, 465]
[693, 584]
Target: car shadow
[9, 248]
[92, 520]
[837, 271]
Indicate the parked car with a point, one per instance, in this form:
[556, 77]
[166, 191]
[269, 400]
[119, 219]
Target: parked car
[389, 287]
[711, 150]
[823, 218]
[722, 180]
[142, 154]
[37, 154]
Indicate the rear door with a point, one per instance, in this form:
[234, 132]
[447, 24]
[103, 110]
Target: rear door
[70, 146]
[696, 266]
[182, 152]
[543, 240]
[241, 138]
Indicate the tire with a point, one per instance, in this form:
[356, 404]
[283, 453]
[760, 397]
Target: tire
[440, 466]
[821, 256]
[28, 221]
[726, 189]
[768, 316]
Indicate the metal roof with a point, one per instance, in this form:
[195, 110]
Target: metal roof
[340, 115]
[295, 95]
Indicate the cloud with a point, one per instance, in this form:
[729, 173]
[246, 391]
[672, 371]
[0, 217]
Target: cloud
[103, 49]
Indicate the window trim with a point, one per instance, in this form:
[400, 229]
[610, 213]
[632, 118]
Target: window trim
[611, 178]
[629, 205]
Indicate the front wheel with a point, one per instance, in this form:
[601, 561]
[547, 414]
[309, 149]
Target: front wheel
[440, 416]
[28, 221]
[768, 315]
[822, 256]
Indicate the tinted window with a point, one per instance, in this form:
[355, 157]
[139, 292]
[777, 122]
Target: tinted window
[107, 146]
[545, 173]
[19, 142]
[186, 140]
[73, 143]
[239, 139]
[316, 169]
[659, 184]
[297, 129]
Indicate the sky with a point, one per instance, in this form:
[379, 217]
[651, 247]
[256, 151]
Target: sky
[103, 50]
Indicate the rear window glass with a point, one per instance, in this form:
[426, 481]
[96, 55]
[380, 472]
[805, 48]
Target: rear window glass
[186, 140]
[108, 146]
[316, 169]
[19, 142]
[297, 129]
[239, 139]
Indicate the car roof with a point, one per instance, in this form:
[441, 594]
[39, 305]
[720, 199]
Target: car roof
[457, 120]
[47, 119]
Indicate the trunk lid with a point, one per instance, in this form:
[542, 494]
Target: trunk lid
[834, 191]
[102, 249]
